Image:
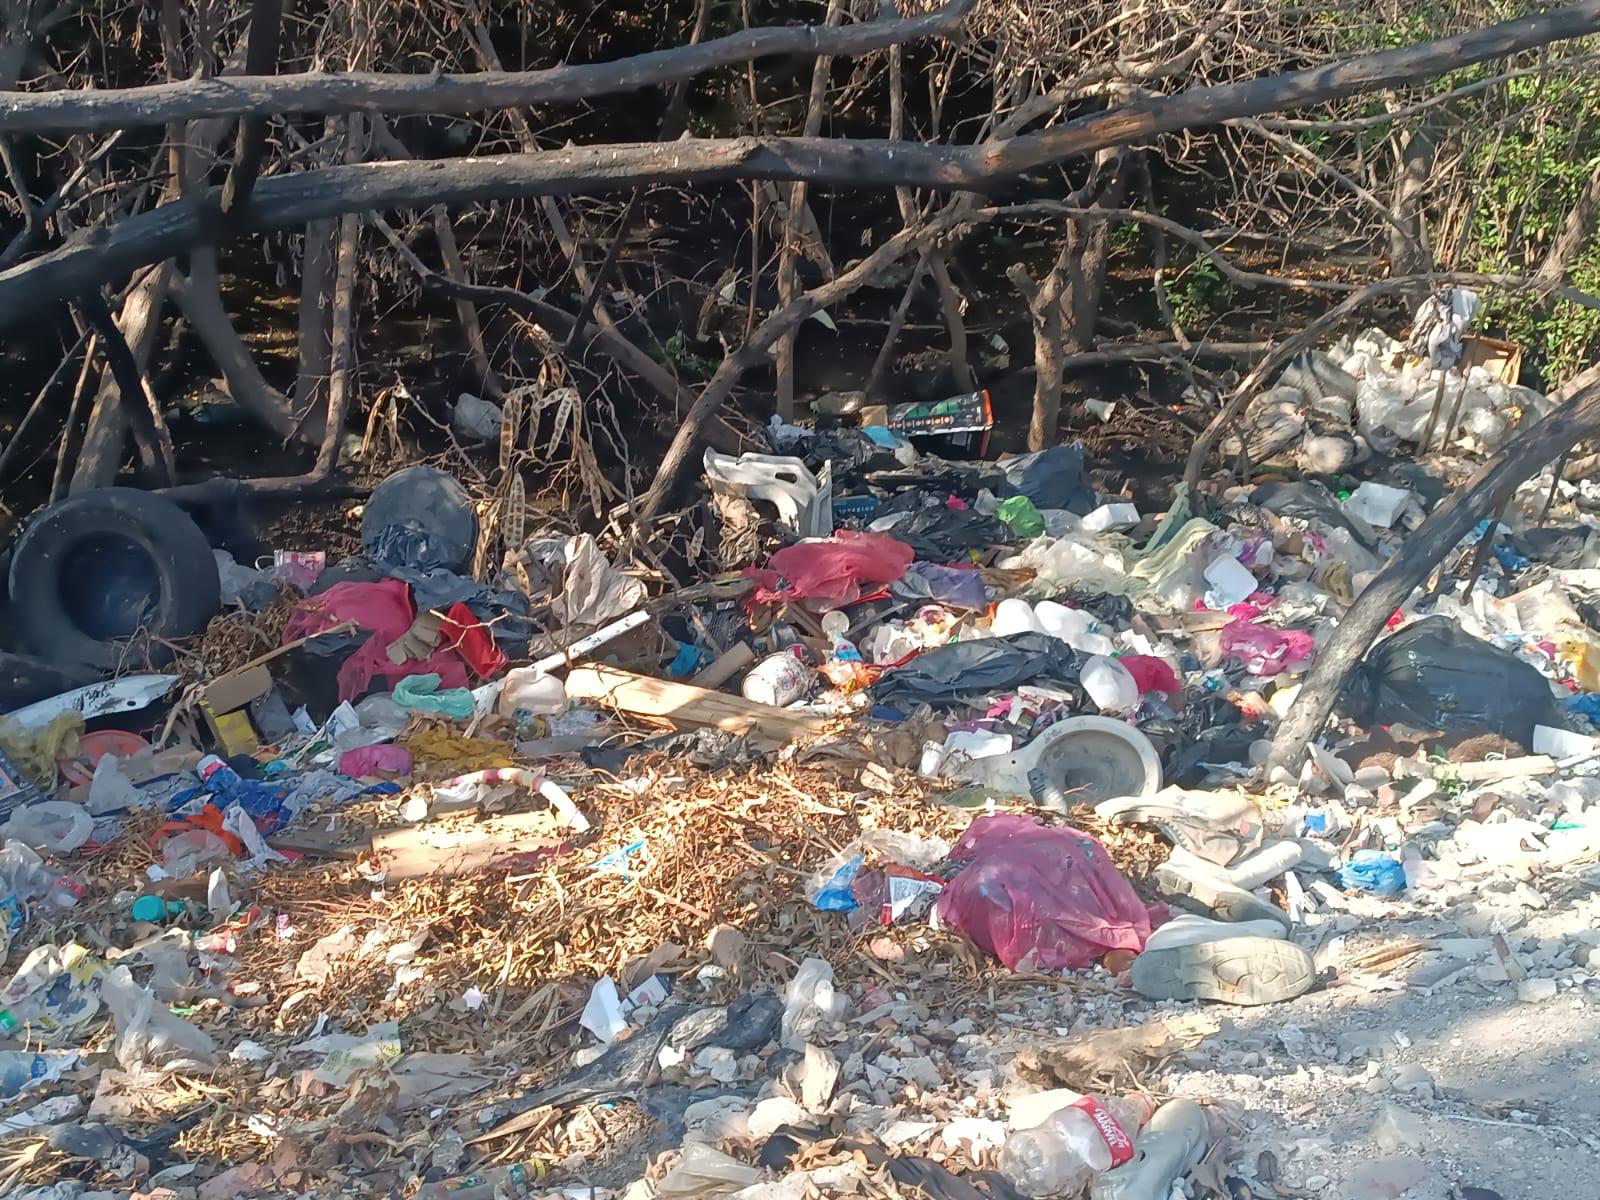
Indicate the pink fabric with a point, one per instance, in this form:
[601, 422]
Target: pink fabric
[370, 760]
[1152, 674]
[385, 610]
[1041, 897]
[831, 570]
[1266, 651]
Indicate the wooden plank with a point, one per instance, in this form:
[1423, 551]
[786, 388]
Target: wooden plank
[458, 848]
[685, 706]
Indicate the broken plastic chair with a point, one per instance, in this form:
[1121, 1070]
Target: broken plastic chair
[804, 501]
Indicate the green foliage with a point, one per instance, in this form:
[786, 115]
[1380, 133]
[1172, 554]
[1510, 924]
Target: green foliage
[682, 356]
[1195, 294]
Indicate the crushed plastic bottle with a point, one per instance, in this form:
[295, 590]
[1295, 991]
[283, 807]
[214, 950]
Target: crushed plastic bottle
[513, 1179]
[1171, 1144]
[1074, 1144]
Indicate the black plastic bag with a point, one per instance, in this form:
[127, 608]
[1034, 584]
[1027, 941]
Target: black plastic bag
[949, 675]
[1051, 478]
[1434, 675]
[940, 534]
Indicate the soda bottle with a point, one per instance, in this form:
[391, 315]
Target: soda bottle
[514, 1179]
[1074, 1144]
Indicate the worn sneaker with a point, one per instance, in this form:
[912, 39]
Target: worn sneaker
[1239, 970]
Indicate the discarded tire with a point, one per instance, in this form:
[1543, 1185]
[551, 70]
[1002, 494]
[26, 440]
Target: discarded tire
[99, 569]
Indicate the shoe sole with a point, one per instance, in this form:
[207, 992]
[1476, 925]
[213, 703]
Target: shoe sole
[1240, 970]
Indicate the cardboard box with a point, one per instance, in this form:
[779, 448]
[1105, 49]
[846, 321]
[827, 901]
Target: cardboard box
[236, 689]
[963, 421]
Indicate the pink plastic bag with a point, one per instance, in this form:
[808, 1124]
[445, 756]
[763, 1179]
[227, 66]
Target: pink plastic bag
[1041, 897]
[1266, 651]
[373, 760]
[832, 570]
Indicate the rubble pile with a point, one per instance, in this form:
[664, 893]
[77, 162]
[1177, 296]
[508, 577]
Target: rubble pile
[921, 844]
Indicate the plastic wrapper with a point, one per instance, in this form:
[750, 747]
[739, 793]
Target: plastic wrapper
[58, 826]
[1432, 675]
[1266, 651]
[808, 1000]
[1041, 897]
[704, 1171]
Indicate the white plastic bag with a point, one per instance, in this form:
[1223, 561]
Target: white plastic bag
[808, 1001]
[57, 826]
[148, 1035]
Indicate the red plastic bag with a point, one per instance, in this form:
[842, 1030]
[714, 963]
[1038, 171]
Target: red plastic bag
[1039, 897]
[832, 569]
[385, 610]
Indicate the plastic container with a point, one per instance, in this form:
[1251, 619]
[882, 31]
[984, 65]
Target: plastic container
[1110, 685]
[778, 679]
[529, 690]
[1073, 1145]
[1074, 626]
[1014, 616]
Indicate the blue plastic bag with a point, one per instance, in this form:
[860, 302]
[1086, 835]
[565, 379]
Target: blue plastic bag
[1372, 871]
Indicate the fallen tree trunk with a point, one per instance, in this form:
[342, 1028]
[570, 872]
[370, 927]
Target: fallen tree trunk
[294, 199]
[437, 94]
[1494, 482]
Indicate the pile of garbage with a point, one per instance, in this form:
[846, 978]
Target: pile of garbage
[513, 866]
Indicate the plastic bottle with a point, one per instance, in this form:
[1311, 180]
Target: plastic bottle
[1167, 1150]
[514, 1179]
[1074, 1144]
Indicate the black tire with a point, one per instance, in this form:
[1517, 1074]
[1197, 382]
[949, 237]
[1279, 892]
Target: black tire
[25, 679]
[96, 570]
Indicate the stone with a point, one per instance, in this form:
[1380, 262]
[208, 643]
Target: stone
[1414, 1079]
[1397, 1130]
[1315, 1183]
[1385, 1178]
[1532, 991]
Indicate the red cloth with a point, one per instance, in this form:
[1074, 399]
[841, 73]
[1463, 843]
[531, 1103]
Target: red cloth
[1048, 898]
[1152, 674]
[385, 610]
[469, 637]
[831, 570]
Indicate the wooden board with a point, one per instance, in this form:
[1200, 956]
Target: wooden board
[459, 847]
[687, 707]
